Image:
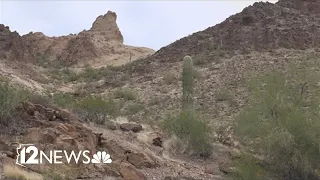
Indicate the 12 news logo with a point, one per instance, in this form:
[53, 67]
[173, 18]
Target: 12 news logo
[29, 154]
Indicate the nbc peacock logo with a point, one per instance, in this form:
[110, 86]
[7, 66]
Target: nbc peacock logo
[101, 157]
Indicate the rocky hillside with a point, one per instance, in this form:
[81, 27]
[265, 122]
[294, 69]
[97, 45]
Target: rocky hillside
[262, 37]
[101, 45]
[262, 27]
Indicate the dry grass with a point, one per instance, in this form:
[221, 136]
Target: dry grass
[20, 174]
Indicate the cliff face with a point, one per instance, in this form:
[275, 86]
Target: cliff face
[102, 44]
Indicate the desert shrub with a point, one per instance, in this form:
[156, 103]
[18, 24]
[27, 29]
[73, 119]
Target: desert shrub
[169, 78]
[46, 61]
[193, 132]
[125, 94]
[248, 167]
[282, 122]
[65, 100]
[64, 74]
[39, 99]
[96, 109]
[134, 108]
[200, 60]
[90, 73]
[9, 100]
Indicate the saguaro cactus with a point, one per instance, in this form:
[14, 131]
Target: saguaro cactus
[187, 83]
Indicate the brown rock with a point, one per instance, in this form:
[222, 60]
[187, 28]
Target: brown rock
[140, 160]
[157, 141]
[128, 172]
[131, 127]
[37, 135]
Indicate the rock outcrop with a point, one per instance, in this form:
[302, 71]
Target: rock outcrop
[107, 27]
[99, 46]
[12, 45]
[51, 128]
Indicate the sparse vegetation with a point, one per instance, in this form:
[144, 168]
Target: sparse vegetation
[192, 131]
[222, 95]
[282, 122]
[169, 78]
[125, 94]
[96, 109]
[46, 61]
[9, 100]
[134, 108]
[249, 167]
[65, 100]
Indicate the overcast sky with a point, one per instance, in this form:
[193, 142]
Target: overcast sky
[151, 24]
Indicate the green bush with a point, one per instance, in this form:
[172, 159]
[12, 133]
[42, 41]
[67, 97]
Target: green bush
[188, 127]
[282, 122]
[96, 109]
[248, 167]
[65, 100]
[9, 100]
[124, 94]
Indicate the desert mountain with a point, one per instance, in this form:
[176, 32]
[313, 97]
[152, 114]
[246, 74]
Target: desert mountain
[262, 27]
[263, 36]
[101, 45]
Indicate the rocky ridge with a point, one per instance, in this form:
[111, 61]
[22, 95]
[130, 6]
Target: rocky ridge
[101, 45]
[261, 27]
